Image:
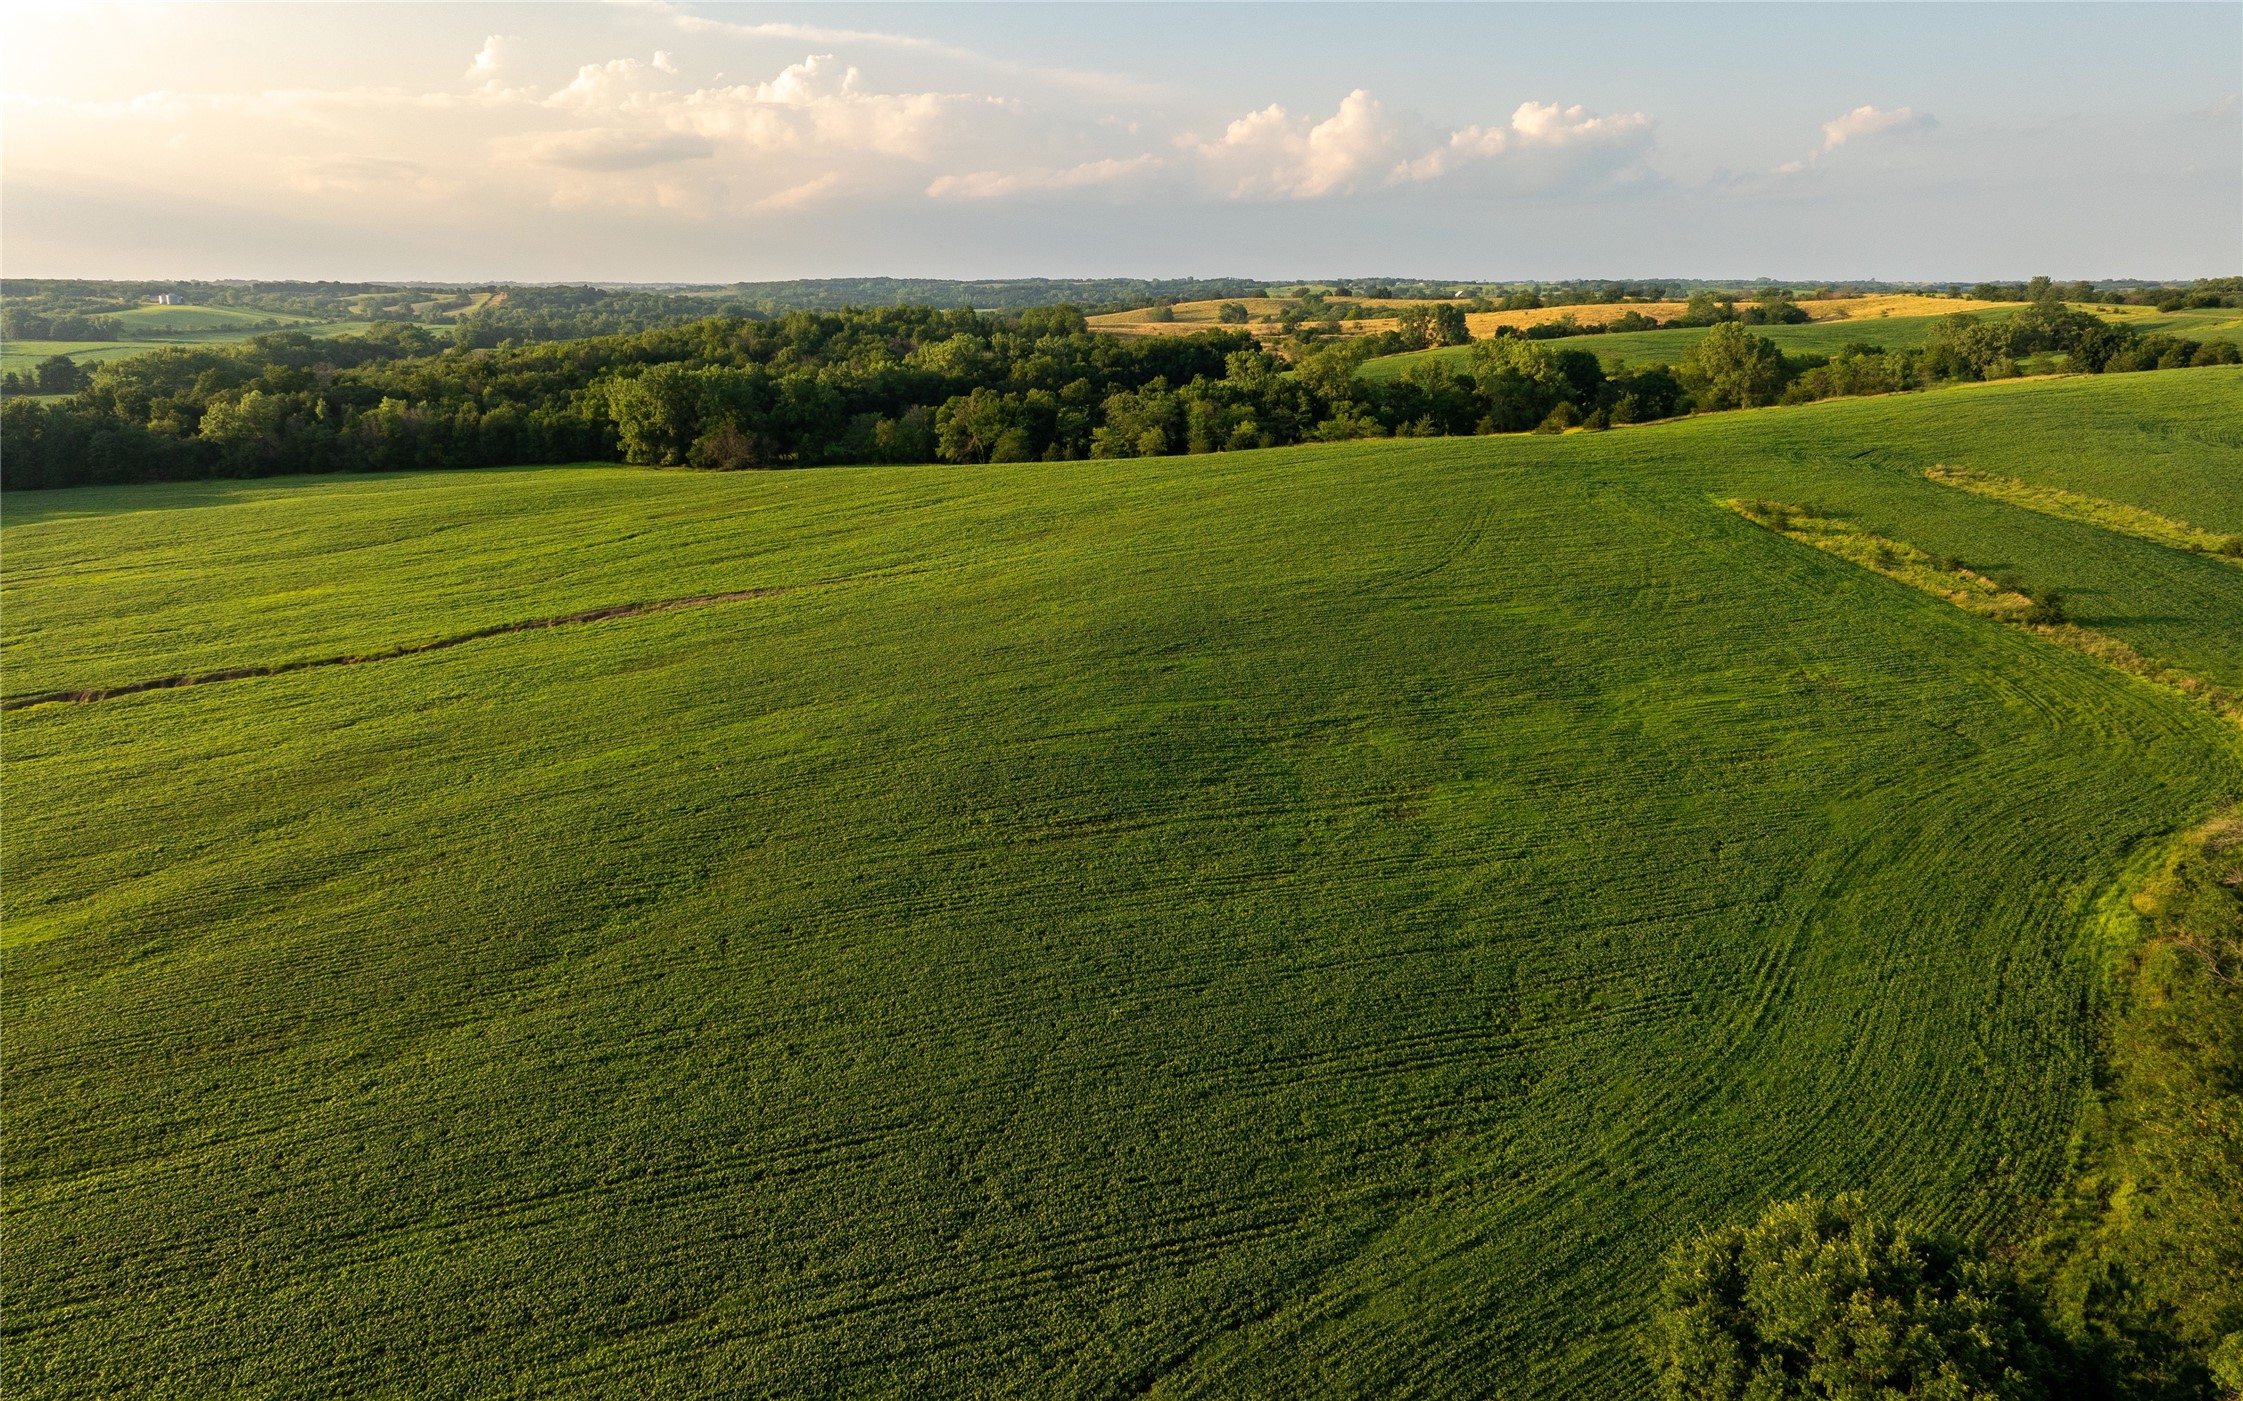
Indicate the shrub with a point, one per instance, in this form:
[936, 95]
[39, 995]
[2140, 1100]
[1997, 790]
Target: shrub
[725, 449]
[1822, 1299]
[2048, 608]
[1564, 416]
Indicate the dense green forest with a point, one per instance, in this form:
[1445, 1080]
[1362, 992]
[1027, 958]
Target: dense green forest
[917, 384]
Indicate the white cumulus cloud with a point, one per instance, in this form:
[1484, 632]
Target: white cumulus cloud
[1860, 124]
[1272, 153]
[1872, 121]
[1543, 126]
[489, 61]
[1275, 154]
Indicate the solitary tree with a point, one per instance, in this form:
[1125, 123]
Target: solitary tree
[1448, 326]
[1732, 368]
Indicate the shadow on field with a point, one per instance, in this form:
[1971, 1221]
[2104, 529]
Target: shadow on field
[93, 502]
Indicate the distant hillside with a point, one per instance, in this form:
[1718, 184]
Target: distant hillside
[1009, 294]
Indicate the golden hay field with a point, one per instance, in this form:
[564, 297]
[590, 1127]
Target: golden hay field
[1263, 311]
[1840, 308]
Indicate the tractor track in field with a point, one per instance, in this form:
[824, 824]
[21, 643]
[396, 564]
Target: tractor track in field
[83, 696]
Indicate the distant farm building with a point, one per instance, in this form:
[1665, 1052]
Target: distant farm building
[169, 299]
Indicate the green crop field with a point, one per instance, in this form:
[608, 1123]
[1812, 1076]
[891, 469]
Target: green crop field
[1307, 922]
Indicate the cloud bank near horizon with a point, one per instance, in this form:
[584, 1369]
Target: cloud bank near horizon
[757, 136]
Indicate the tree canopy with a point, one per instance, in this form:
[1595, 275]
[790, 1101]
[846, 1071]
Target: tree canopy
[1822, 1300]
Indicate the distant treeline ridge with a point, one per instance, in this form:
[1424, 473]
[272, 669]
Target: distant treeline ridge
[916, 384]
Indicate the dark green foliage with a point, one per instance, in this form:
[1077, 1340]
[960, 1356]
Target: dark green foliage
[19, 322]
[1731, 368]
[1855, 369]
[1707, 309]
[1825, 1301]
[531, 314]
[808, 388]
[1774, 308]
[1562, 417]
[1968, 347]
[1448, 326]
[58, 375]
[803, 389]
[2048, 608]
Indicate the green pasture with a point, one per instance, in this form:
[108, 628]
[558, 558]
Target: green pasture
[1666, 347]
[22, 356]
[1308, 922]
[187, 320]
[1826, 337]
[2199, 323]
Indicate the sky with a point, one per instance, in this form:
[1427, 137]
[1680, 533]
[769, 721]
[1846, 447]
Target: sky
[652, 142]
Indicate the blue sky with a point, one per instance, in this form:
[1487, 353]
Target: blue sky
[657, 142]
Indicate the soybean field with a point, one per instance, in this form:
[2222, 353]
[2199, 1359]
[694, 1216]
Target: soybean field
[1317, 921]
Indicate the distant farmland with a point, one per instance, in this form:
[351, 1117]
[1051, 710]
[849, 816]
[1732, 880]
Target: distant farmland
[149, 328]
[1819, 337]
[1305, 922]
[1200, 316]
[1667, 346]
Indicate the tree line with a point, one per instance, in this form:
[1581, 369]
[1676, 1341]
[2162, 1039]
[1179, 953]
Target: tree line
[19, 322]
[884, 385]
[916, 384]
[2204, 292]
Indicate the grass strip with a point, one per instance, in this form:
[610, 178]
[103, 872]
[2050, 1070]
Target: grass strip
[2093, 510]
[2143, 1258]
[1974, 592]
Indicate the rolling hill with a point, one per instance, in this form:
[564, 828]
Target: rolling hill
[1897, 331]
[1319, 920]
[1186, 317]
